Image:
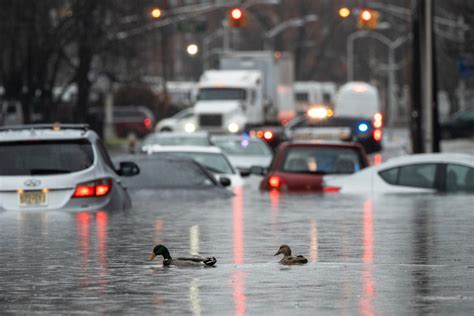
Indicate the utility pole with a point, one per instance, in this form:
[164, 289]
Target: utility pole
[424, 114]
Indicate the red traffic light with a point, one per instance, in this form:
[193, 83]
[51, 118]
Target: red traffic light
[236, 17]
[236, 13]
[366, 15]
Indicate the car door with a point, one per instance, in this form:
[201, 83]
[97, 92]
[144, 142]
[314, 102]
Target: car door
[420, 177]
[458, 178]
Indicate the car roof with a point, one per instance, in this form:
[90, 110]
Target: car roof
[427, 158]
[194, 149]
[180, 134]
[235, 137]
[45, 132]
[322, 143]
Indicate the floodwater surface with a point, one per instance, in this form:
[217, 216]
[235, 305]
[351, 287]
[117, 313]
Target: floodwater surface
[394, 254]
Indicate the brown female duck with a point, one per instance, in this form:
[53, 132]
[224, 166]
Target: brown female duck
[288, 259]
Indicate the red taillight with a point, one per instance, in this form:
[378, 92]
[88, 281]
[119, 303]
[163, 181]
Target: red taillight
[260, 134]
[378, 120]
[331, 189]
[147, 122]
[378, 135]
[92, 189]
[274, 182]
[268, 135]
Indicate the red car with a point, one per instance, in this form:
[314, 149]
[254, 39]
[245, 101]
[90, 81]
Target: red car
[301, 166]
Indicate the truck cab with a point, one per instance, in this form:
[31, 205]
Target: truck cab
[229, 100]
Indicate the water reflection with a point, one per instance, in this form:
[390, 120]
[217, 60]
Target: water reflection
[102, 219]
[238, 225]
[238, 285]
[368, 287]
[275, 205]
[313, 245]
[83, 234]
[194, 297]
[194, 240]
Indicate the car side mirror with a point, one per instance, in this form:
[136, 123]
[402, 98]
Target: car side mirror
[244, 172]
[257, 170]
[225, 181]
[128, 169]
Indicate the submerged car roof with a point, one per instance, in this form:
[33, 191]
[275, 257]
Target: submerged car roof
[195, 149]
[45, 132]
[431, 157]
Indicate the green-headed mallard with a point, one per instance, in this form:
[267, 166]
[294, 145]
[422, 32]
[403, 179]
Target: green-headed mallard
[182, 261]
[287, 258]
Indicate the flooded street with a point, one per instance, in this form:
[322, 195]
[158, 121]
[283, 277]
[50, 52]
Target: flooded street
[369, 255]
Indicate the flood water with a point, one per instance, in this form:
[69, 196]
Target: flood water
[367, 255]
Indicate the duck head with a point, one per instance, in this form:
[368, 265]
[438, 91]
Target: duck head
[284, 250]
[160, 250]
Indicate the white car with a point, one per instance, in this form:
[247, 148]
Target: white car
[183, 121]
[50, 167]
[421, 173]
[244, 151]
[212, 158]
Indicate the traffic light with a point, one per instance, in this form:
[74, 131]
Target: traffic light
[236, 17]
[344, 12]
[368, 19]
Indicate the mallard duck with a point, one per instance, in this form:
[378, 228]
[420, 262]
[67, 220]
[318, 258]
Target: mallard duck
[287, 258]
[182, 261]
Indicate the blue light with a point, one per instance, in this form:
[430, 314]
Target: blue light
[363, 127]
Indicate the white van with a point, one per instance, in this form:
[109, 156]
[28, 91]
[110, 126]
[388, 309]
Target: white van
[11, 113]
[357, 99]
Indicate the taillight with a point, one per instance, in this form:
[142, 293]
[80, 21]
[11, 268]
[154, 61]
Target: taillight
[274, 182]
[93, 188]
[331, 189]
[147, 122]
[268, 135]
[378, 120]
[378, 135]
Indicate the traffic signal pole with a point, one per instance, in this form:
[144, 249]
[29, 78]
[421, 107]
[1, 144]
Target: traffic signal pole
[424, 115]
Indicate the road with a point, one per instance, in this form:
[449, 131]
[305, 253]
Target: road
[407, 254]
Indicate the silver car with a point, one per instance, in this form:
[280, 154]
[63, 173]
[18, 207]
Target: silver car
[59, 167]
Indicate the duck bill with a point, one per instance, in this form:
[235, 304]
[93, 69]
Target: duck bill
[152, 257]
[277, 253]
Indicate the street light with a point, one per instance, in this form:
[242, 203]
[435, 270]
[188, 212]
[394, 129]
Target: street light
[156, 13]
[192, 49]
[296, 22]
[344, 12]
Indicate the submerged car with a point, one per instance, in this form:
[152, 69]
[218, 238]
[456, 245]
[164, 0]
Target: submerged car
[302, 166]
[183, 121]
[461, 124]
[421, 173]
[176, 139]
[243, 151]
[171, 173]
[212, 158]
[59, 167]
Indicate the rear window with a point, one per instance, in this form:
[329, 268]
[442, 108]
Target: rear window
[322, 160]
[165, 173]
[45, 157]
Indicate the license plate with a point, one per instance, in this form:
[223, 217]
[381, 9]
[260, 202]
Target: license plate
[32, 198]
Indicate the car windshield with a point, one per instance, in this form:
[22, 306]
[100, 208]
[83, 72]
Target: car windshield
[167, 173]
[214, 162]
[322, 160]
[221, 94]
[242, 147]
[45, 157]
[175, 141]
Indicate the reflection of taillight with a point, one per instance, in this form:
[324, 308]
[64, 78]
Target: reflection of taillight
[378, 120]
[147, 122]
[268, 135]
[331, 189]
[378, 135]
[92, 189]
[274, 182]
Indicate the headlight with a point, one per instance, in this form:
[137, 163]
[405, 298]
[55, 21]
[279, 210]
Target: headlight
[190, 127]
[233, 127]
[320, 113]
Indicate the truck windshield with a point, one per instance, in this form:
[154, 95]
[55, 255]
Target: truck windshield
[222, 94]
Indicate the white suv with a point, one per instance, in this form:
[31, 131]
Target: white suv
[59, 167]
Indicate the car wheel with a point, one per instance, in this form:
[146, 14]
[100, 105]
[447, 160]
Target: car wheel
[166, 129]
